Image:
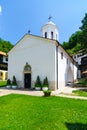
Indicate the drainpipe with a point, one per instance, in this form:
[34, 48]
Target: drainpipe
[57, 65]
[73, 72]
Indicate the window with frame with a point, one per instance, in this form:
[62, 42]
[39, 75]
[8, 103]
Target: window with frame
[67, 60]
[51, 35]
[74, 57]
[61, 55]
[45, 34]
[6, 58]
[1, 58]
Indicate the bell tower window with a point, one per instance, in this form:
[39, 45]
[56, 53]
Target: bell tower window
[51, 35]
[45, 34]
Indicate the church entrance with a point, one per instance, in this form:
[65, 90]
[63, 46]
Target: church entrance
[27, 80]
[27, 76]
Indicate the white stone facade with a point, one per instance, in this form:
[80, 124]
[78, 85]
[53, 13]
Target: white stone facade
[44, 57]
[38, 53]
[50, 30]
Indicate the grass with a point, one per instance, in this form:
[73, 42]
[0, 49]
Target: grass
[82, 92]
[23, 112]
[3, 83]
[82, 82]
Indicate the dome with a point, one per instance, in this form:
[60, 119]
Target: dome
[50, 30]
[50, 23]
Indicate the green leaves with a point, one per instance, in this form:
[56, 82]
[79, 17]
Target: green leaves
[5, 46]
[78, 40]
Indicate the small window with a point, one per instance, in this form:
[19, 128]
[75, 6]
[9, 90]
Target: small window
[6, 58]
[77, 55]
[56, 36]
[67, 60]
[1, 58]
[74, 57]
[45, 34]
[61, 55]
[51, 35]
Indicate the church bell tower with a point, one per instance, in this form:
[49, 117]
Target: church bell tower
[50, 30]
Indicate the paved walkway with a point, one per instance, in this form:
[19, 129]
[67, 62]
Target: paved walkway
[66, 92]
[4, 91]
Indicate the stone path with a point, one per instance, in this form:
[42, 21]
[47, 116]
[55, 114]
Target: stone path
[26, 92]
[62, 93]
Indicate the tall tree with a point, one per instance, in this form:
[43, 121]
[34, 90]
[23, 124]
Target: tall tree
[5, 46]
[78, 40]
[84, 31]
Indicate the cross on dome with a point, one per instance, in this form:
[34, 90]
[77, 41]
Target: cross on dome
[49, 18]
[29, 31]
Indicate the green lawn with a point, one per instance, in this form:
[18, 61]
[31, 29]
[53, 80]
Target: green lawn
[82, 92]
[3, 83]
[23, 112]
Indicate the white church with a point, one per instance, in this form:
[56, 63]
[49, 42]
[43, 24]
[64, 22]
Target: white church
[44, 56]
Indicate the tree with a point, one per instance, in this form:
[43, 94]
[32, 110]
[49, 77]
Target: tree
[74, 44]
[84, 31]
[84, 23]
[78, 40]
[65, 45]
[5, 46]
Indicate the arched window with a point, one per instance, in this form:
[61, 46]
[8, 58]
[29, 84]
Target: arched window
[61, 55]
[45, 34]
[27, 68]
[51, 35]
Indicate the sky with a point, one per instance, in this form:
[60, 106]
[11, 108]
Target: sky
[19, 16]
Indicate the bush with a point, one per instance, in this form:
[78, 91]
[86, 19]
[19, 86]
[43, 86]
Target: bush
[47, 93]
[45, 82]
[38, 82]
[14, 82]
[8, 82]
[82, 82]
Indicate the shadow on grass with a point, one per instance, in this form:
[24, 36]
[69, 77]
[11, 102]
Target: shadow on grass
[76, 126]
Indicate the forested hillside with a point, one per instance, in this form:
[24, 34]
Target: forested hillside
[78, 40]
[5, 46]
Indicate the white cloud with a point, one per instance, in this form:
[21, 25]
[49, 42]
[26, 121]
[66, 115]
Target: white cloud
[0, 9]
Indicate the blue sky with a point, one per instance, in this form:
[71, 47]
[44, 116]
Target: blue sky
[19, 16]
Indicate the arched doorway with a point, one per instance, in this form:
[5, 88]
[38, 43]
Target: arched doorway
[27, 76]
[70, 76]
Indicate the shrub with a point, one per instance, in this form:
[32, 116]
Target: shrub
[14, 82]
[8, 82]
[38, 82]
[47, 93]
[82, 82]
[45, 82]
